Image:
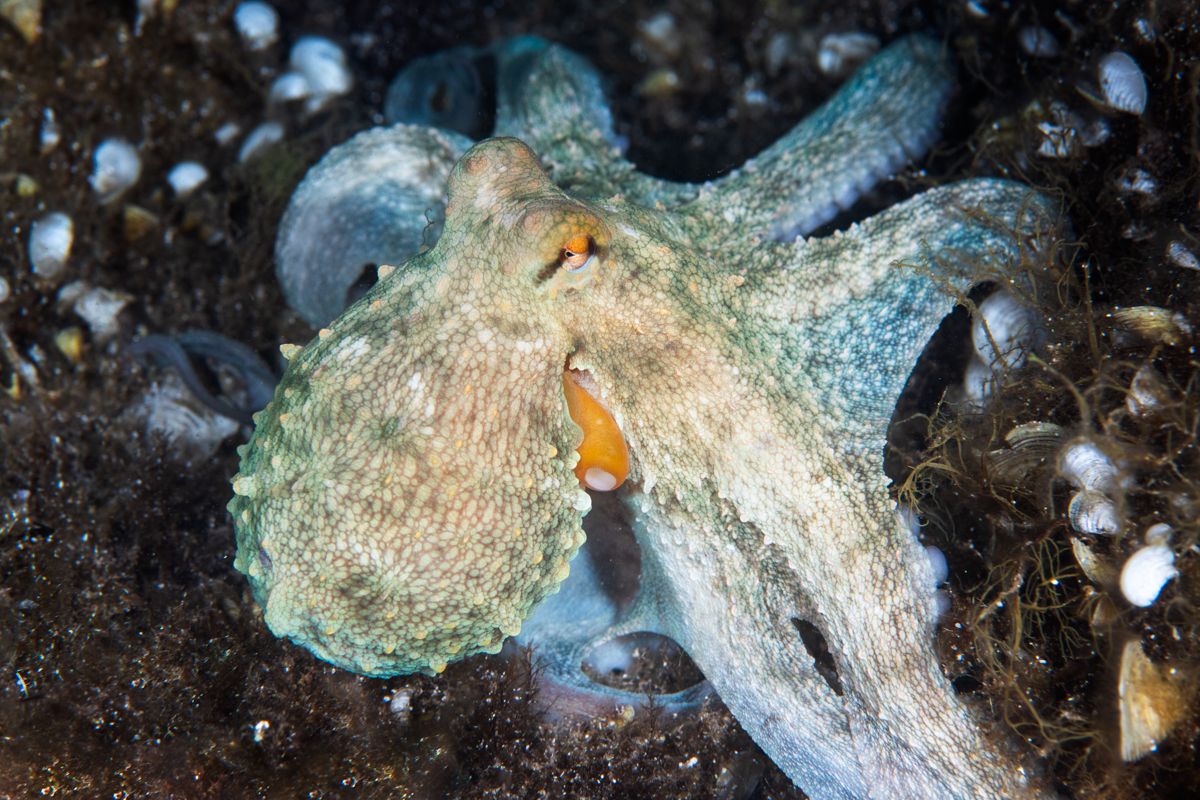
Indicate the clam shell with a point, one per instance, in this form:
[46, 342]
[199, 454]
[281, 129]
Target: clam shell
[1152, 323]
[1087, 467]
[1181, 256]
[1096, 569]
[1122, 83]
[1030, 446]
[25, 16]
[1094, 512]
[1150, 700]
[1041, 436]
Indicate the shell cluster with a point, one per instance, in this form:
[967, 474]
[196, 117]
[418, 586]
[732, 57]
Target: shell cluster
[1095, 504]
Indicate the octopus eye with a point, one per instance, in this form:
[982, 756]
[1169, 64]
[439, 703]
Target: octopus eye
[577, 253]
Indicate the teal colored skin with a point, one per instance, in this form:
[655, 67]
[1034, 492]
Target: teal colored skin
[407, 499]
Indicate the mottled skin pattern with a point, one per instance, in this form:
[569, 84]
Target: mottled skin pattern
[408, 495]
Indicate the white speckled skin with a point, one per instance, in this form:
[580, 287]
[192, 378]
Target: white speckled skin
[408, 496]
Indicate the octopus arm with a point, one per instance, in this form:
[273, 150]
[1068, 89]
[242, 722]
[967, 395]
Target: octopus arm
[553, 100]
[853, 311]
[364, 203]
[886, 115]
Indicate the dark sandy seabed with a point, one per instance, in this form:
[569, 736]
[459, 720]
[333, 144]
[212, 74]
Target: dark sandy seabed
[133, 662]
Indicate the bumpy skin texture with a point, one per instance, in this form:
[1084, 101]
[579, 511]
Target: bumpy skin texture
[407, 497]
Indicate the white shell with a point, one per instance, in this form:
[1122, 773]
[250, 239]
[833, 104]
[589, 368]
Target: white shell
[186, 176]
[1094, 512]
[1146, 573]
[1180, 256]
[50, 240]
[1122, 83]
[257, 23]
[116, 167]
[1013, 327]
[258, 139]
[1087, 467]
[839, 54]
[1037, 41]
[323, 65]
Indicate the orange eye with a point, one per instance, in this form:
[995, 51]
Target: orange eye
[603, 455]
[577, 252]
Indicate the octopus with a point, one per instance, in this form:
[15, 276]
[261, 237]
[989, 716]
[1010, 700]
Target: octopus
[549, 320]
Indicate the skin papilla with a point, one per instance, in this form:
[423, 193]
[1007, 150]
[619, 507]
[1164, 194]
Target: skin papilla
[408, 496]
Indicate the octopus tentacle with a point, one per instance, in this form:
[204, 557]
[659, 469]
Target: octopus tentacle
[363, 203]
[886, 115]
[896, 271]
[581, 623]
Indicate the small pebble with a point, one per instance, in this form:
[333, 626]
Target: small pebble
[660, 34]
[260, 138]
[839, 54]
[117, 166]
[50, 240]
[227, 133]
[186, 176]
[97, 306]
[50, 135]
[257, 23]
[1137, 181]
[287, 87]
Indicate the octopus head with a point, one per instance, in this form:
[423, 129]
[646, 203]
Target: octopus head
[413, 489]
